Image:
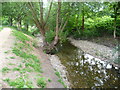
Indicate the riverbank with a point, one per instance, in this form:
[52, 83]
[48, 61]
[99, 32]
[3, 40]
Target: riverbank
[54, 61]
[98, 51]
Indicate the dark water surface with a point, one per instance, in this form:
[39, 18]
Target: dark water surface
[85, 71]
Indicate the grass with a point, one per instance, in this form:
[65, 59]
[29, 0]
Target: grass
[12, 57]
[27, 69]
[41, 82]
[11, 64]
[6, 80]
[20, 36]
[20, 66]
[49, 80]
[5, 70]
[23, 48]
[60, 79]
[34, 61]
[58, 74]
[20, 83]
[16, 69]
[6, 52]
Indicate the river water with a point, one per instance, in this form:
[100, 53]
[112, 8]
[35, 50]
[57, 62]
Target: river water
[85, 71]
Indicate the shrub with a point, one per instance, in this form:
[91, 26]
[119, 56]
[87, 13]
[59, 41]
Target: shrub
[49, 36]
[63, 36]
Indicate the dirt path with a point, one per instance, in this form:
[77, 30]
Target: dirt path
[6, 43]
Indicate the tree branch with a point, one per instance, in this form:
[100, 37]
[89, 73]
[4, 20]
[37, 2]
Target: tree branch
[48, 13]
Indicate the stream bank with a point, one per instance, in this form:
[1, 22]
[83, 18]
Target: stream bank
[55, 62]
[99, 51]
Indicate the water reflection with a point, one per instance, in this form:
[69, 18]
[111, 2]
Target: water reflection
[85, 71]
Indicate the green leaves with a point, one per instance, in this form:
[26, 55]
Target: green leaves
[49, 36]
[41, 82]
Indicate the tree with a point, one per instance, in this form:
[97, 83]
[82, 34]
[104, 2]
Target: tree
[41, 22]
[116, 7]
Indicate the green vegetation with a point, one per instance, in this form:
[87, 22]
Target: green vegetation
[41, 82]
[6, 52]
[5, 70]
[60, 79]
[30, 59]
[49, 80]
[82, 20]
[50, 36]
[58, 74]
[11, 64]
[16, 69]
[6, 80]
[1, 28]
[20, 36]
[12, 57]
[19, 83]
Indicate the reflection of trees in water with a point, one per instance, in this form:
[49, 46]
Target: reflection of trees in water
[84, 72]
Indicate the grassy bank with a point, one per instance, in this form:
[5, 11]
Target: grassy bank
[29, 64]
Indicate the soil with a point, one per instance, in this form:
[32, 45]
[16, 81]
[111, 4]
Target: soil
[6, 43]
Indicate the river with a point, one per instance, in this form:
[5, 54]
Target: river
[85, 71]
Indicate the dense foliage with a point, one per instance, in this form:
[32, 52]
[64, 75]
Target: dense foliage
[85, 19]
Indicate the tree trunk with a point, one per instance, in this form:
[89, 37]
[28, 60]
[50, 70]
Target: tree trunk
[83, 18]
[83, 23]
[115, 18]
[11, 21]
[19, 25]
[27, 26]
[115, 27]
[57, 24]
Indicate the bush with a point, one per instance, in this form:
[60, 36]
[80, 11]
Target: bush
[97, 27]
[5, 21]
[63, 36]
[49, 36]
[100, 26]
